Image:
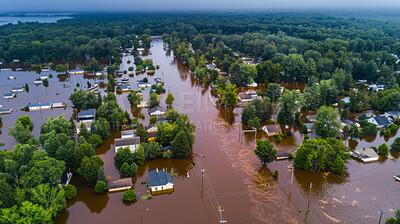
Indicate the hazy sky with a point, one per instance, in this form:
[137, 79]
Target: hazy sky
[134, 5]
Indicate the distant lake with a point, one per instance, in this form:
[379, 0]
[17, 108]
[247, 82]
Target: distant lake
[6, 19]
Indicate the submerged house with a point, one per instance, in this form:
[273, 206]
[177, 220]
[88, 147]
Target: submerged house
[381, 121]
[272, 129]
[395, 114]
[131, 142]
[365, 154]
[87, 115]
[157, 111]
[128, 134]
[39, 106]
[18, 89]
[160, 181]
[9, 95]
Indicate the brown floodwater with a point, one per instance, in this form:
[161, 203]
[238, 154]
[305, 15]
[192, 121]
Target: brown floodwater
[234, 178]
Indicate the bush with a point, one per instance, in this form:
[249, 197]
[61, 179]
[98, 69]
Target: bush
[387, 133]
[129, 196]
[276, 173]
[145, 79]
[69, 191]
[383, 150]
[125, 71]
[153, 120]
[393, 127]
[101, 187]
[306, 136]
[290, 156]
[278, 138]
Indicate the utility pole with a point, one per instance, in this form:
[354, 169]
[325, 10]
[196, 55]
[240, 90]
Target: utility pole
[202, 181]
[380, 215]
[221, 220]
[291, 183]
[141, 216]
[309, 196]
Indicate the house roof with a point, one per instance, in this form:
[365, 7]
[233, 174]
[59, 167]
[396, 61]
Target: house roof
[9, 94]
[159, 178]
[382, 120]
[87, 113]
[244, 96]
[128, 132]
[346, 100]
[273, 128]
[348, 122]
[155, 108]
[393, 113]
[126, 141]
[366, 153]
[40, 104]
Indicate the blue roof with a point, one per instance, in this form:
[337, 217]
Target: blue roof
[9, 94]
[382, 120]
[159, 178]
[39, 104]
[345, 100]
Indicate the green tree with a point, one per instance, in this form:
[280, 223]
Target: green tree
[153, 120]
[95, 140]
[135, 97]
[80, 152]
[129, 196]
[25, 121]
[289, 103]
[265, 151]
[345, 114]
[7, 194]
[228, 97]
[326, 123]
[294, 67]
[170, 99]
[273, 92]
[26, 213]
[101, 187]
[140, 155]
[50, 198]
[128, 170]
[248, 113]
[69, 191]
[383, 150]
[255, 123]
[180, 146]
[338, 166]
[395, 220]
[91, 169]
[153, 100]
[20, 133]
[354, 132]
[396, 144]
[102, 128]
[123, 156]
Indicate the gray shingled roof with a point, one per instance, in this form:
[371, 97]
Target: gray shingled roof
[126, 141]
[159, 177]
[382, 120]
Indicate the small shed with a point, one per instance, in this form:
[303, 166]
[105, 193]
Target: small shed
[272, 129]
[365, 154]
[160, 181]
[119, 185]
[132, 143]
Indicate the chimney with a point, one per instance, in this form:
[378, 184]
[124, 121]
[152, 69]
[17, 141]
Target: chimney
[156, 170]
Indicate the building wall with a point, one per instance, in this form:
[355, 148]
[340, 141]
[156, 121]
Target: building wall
[131, 147]
[162, 187]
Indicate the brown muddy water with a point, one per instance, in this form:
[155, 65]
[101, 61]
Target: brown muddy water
[234, 178]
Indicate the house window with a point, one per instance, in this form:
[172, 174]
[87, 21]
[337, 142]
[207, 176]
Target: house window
[161, 188]
[155, 188]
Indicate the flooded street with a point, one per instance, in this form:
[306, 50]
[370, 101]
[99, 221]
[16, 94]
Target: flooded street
[234, 178]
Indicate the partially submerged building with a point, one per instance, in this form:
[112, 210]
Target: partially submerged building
[272, 129]
[365, 154]
[381, 121]
[160, 182]
[131, 142]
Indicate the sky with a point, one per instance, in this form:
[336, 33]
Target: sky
[167, 5]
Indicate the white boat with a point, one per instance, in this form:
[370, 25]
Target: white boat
[397, 177]
[43, 77]
[11, 77]
[93, 88]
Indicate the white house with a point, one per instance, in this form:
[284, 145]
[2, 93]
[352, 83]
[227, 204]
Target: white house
[17, 89]
[157, 111]
[39, 106]
[365, 154]
[9, 95]
[132, 143]
[377, 88]
[381, 121]
[160, 181]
